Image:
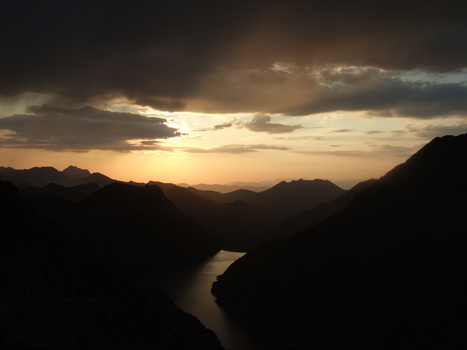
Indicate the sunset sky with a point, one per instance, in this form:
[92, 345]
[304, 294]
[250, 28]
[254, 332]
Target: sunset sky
[220, 91]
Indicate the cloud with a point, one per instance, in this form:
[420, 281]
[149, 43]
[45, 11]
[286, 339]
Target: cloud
[430, 131]
[387, 96]
[234, 149]
[262, 123]
[82, 129]
[375, 150]
[341, 131]
[166, 54]
[259, 123]
[224, 126]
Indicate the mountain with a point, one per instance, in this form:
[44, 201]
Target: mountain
[37, 177]
[226, 188]
[129, 227]
[387, 272]
[290, 198]
[49, 299]
[75, 193]
[296, 223]
[282, 200]
[235, 224]
[96, 178]
[76, 173]
[42, 176]
[240, 219]
[237, 195]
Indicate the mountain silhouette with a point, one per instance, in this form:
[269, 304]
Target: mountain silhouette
[386, 272]
[37, 177]
[229, 197]
[282, 200]
[235, 224]
[290, 198]
[299, 222]
[49, 299]
[75, 193]
[43, 176]
[76, 173]
[129, 227]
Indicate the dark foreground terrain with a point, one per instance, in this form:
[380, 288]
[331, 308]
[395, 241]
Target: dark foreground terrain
[52, 299]
[389, 271]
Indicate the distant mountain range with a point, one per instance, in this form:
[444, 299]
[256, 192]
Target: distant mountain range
[386, 271]
[240, 219]
[43, 176]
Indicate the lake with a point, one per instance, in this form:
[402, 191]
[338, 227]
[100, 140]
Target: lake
[190, 289]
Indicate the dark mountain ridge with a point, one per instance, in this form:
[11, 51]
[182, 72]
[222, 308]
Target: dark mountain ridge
[290, 198]
[235, 224]
[238, 219]
[129, 227]
[299, 222]
[387, 272]
[42, 176]
[49, 299]
[75, 193]
[74, 172]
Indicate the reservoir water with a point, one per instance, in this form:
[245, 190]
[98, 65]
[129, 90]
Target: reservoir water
[190, 289]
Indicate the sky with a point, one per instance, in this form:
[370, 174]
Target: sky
[222, 91]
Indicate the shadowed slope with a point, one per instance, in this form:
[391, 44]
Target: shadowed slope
[310, 217]
[129, 227]
[75, 193]
[50, 300]
[387, 272]
[235, 224]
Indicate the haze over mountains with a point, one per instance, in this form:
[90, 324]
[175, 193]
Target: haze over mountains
[386, 272]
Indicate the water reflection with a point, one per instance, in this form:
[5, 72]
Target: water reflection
[190, 289]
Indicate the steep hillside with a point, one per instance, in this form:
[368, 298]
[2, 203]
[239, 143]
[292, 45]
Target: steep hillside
[235, 224]
[387, 272]
[129, 227]
[50, 300]
[290, 198]
[75, 193]
[296, 223]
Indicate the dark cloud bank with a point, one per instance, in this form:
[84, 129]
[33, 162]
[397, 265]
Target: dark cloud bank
[216, 56]
[56, 128]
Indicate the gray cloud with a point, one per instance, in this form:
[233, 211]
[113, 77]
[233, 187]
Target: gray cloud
[234, 149]
[262, 123]
[341, 131]
[57, 128]
[217, 56]
[436, 130]
[224, 126]
[259, 123]
[374, 150]
[388, 97]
